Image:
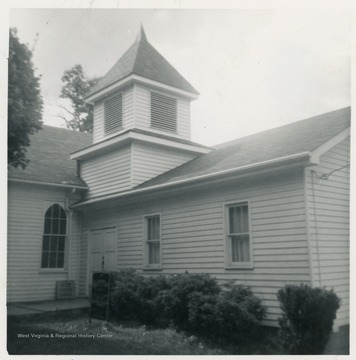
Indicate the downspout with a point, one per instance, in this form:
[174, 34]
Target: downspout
[70, 217]
[308, 224]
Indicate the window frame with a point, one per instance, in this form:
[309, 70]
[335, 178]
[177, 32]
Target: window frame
[109, 133]
[150, 112]
[229, 264]
[146, 264]
[46, 207]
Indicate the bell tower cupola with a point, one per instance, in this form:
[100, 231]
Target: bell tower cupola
[141, 122]
[142, 91]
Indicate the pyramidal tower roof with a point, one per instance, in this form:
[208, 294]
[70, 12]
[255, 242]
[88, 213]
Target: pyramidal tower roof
[144, 60]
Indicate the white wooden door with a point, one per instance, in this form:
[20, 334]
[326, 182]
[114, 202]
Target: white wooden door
[103, 250]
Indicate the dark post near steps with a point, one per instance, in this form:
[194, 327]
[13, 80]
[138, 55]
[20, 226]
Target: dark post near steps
[100, 296]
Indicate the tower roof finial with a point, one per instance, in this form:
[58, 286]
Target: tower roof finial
[141, 36]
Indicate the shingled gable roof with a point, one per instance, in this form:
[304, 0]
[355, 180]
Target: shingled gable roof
[295, 138]
[144, 60]
[49, 157]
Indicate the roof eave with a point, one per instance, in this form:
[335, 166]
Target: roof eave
[128, 80]
[300, 159]
[43, 183]
[130, 135]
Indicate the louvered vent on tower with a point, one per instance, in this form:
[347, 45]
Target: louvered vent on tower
[163, 112]
[113, 114]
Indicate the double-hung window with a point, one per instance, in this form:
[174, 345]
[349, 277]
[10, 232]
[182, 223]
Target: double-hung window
[54, 238]
[152, 241]
[238, 235]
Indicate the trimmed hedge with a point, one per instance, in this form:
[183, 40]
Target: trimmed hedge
[307, 320]
[191, 302]
[232, 316]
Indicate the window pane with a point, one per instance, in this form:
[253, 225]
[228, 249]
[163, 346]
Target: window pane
[240, 248]
[52, 259]
[49, 213]
[53, 243]
[60, 259]
[153, 253]
[53, 247]
[62, 214]
[238, 219]
[47, 226]
[55, 226]
[244, 219]
[45, 243]
[233, 220]
[61, 241]
[56, 211]
[62, 227]
[153, 228]
[44, 260]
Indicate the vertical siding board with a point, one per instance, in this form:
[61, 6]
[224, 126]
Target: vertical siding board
[328, 216]
[193, 240]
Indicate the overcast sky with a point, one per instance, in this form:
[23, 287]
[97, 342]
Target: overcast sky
[255, 69]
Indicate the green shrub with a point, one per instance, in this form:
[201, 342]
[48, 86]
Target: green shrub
[173, 301]
[127, 292]
[307, 319]
[193, 302]
[158, 301]
[232, 315]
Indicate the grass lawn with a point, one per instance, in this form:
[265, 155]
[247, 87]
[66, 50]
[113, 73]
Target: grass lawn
[51, 336]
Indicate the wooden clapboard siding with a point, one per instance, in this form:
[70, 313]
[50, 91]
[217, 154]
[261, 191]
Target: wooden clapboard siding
[127, 115]
[328, 217]
[148, 161]
[75, 251]
[27, 205]
[108, 173]
[98, 122]
[183, 118]
[143, 113]
[142, 107]
[193, 233]
[83, 264]
[128, 108]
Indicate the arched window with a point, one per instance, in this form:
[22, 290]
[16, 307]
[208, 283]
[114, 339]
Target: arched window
[54, 236]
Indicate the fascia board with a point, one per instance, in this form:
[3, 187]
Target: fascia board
[322, 149]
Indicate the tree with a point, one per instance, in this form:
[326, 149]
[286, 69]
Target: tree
[76, 87]
[24, 101]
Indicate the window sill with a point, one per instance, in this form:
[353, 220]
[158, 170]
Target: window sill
[51, 271]
[239, 267]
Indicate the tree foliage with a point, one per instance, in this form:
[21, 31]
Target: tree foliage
[76, 87]
[24, 101]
